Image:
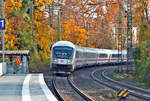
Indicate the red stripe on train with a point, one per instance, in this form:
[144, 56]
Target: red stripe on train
[98, 60]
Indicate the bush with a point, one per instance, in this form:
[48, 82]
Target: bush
[118, 76]
[39, 62]
[141, 56]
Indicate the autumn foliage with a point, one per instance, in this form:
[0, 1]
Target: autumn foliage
[33, 24]
[142, 49]
[80, 22]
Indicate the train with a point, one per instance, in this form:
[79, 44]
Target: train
[67, 57]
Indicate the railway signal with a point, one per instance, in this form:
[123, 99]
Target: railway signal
[18, 62]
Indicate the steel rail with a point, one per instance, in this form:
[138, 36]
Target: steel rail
[86, 97]
[124, 84]
[60, 98]
[131, 87]
[117, 88]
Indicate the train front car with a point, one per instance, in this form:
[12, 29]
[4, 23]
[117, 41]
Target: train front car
[62, 57]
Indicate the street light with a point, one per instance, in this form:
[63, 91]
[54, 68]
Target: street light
[32, 25]
[3, 47]
[58, 26]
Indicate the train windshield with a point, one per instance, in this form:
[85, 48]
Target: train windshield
[63, 52]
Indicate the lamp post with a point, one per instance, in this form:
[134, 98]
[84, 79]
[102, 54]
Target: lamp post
[3, 32]
[58, 26]
[32, 21]
[87, 29]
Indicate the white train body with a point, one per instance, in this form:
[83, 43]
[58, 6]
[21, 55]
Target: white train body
[66, 57]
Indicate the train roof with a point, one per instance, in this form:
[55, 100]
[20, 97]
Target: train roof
[70, 44]
[64, 43]
[80, 48]
[116, 51]
[104, 51]
[87, 49]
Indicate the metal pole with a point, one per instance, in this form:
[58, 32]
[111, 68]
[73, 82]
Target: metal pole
[51, 8]
[87, 29]
[129, 32]
[58, 27]
[130, 18]
[32, 24]
[120, 37]
[103, 31]
[3, 32]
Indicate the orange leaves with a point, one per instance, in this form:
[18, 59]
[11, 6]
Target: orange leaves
[8, 6]
[72, 32]
[11, 37]
[94, 1]
[10, 40]
[74, 16]
[79, 13]
[140, 18]
[18, 4]
[43, 2]
[112, 12]
[45, 37]
[11, 5]
[141, 10]
[14, 22]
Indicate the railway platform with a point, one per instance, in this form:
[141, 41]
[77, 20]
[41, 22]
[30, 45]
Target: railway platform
[24, 87]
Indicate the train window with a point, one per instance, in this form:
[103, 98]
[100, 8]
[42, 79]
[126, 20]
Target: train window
[91, 55]
[120, 56]
[94, 55]
[103, 55]
[116, 55]
[81, 55]
[63, 52]
[124, 55]
[84, 55]
[77, 54]
[87, 56]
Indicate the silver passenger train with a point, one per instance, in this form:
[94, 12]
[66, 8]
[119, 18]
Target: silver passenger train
[66, 57]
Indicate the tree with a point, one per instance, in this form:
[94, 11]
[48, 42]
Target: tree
[74, 33]
[141, 19]
[142, 50]
[14, 22]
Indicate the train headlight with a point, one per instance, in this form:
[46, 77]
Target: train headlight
[69, 61]
[55, 60]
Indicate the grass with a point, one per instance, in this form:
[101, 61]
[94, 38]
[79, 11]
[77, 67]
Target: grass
[139, 84]
[131, 78]
[111, 95]
[39, 68]
[100, 92]
[108, 93]
[119, 76]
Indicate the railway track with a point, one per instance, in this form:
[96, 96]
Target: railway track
[83, 80]
[90, 83]
[105, 80]
[66, 90]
